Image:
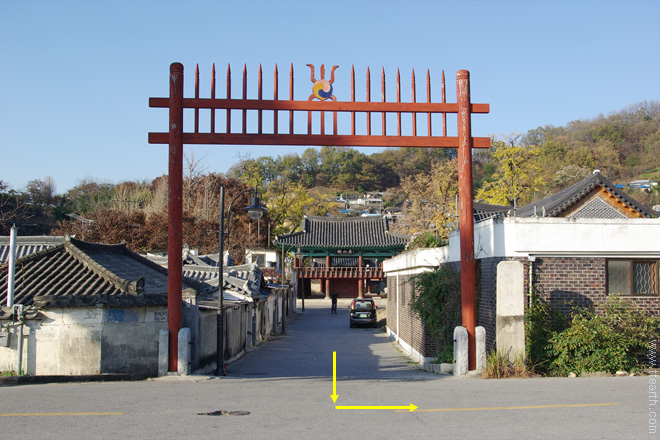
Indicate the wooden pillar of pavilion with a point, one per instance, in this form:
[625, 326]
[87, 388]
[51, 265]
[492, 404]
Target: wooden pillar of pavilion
[327, 279]
[298, 264]
[360, 279]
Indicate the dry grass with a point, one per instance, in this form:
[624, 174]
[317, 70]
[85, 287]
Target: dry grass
[498, 366]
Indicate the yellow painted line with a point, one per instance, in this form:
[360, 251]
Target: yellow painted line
[62, 414]
[408, 408]
[504, 408]
[334, 395]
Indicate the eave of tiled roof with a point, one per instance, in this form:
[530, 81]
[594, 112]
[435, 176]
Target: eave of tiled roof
[81, 274]
[559, 202]
[555, 204]
[26, 245]
[343, 233]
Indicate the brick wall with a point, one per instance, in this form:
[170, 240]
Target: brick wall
[565, 282]
[486, 294]
[410, 328]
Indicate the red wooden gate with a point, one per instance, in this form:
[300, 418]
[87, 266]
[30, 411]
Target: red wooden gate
[319, 102]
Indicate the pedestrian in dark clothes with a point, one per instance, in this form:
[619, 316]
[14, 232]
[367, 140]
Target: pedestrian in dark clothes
[334, 302]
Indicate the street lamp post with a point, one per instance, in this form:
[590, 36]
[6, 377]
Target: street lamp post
[300, 255]
[255, 211]
[282, 269]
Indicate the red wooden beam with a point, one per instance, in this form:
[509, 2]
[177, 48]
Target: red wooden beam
[318, 139]
[327, 105]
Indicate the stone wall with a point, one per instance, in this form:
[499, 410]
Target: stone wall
[88, 341]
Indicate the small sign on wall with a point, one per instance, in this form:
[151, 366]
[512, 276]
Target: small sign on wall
[4, 338]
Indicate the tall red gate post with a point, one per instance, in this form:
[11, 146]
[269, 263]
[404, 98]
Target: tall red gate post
[466, 216]
[175, 213]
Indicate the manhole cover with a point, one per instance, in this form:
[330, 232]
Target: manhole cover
[225, 413]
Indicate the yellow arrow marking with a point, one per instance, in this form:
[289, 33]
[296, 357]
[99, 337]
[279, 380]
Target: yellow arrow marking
[334, 395]
[334, 377]
[502, 408]
[409, 408]
[63, 414]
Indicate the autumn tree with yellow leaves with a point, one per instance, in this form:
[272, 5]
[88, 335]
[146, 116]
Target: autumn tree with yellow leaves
[517, 175]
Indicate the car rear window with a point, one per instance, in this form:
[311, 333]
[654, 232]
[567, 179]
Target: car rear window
[363, 305]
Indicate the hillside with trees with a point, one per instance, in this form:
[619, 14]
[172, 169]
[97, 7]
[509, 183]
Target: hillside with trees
[421, 183]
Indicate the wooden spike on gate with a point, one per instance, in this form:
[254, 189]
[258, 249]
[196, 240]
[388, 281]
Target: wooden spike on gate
[352, 99]
[259, 97]
[414, 99]
[368, 100]
[244, 97]
[398, 99]
[382, 93]
[228, 130]
[213, 97]
[197, 97]
[428, 99]
[444, 100]
[275, 98]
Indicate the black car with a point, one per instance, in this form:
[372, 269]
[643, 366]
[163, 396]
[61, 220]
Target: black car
[363, 312]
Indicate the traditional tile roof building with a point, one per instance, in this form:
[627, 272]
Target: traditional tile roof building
[27, 245]
[86, 309]
[332, 242]
[576, 248]
[76, 273]
[592, 197]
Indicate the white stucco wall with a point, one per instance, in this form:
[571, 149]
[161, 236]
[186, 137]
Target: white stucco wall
[87, 341]
[522, 237]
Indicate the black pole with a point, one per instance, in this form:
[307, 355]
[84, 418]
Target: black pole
[220, 356]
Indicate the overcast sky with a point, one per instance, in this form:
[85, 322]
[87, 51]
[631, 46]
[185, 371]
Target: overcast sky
[76, 76]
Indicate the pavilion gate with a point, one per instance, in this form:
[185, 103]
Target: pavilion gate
[320, 101]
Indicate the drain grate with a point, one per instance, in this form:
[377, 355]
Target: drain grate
[225, 413]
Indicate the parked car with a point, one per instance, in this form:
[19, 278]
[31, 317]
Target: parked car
[363, 312]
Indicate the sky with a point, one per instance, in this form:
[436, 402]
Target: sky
[76, 76]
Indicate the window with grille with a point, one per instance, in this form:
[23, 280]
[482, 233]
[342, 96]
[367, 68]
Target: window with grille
[632, 277]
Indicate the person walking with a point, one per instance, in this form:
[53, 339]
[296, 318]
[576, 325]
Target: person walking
[334, 297]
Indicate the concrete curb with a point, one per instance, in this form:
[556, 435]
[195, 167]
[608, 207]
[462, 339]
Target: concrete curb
[34, 380]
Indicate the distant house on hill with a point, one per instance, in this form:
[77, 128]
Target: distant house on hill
[575, 247]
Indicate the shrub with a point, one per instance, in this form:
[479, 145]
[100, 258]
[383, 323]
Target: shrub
[424, 240]
[436, 298]
[541, 322]
[612, 337]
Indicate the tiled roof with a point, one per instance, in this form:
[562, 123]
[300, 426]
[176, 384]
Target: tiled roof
[245, 279]
[558, 203]
[80, 274]
[26, 245]
[483, 211]
[344, 233]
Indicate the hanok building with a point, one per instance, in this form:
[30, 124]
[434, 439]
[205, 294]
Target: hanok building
[344, 253]
[592, 197]
[575, 248]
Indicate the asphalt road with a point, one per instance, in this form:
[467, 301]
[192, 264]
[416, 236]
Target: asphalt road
[286, 385]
